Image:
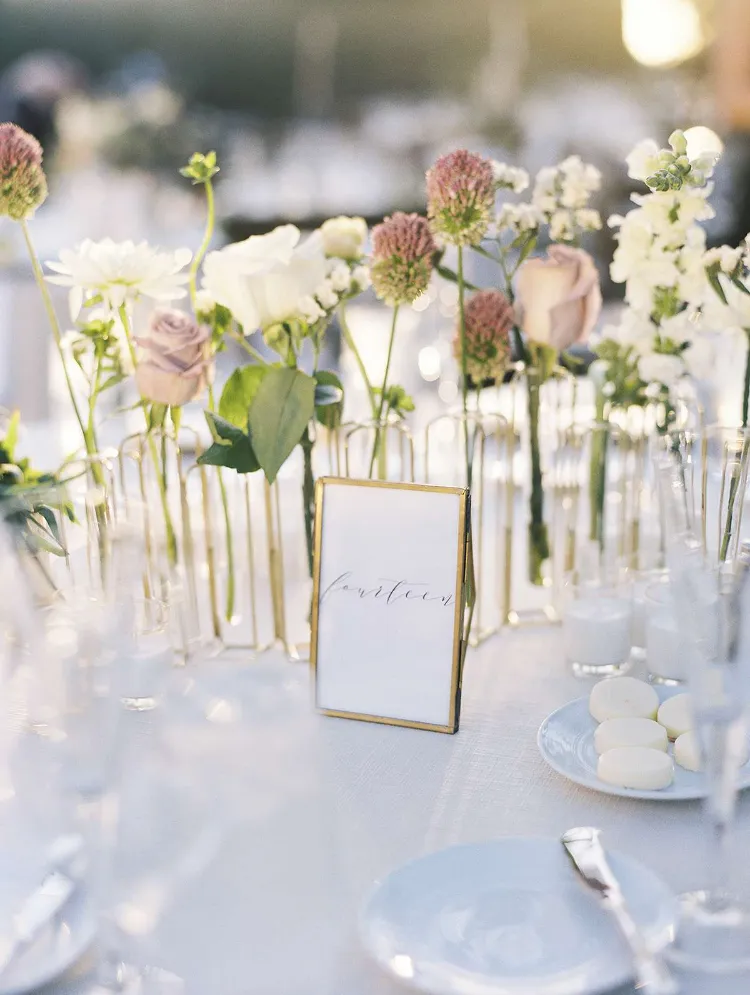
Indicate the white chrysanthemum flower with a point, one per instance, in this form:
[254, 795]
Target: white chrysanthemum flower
[119, 273]
[562, 226]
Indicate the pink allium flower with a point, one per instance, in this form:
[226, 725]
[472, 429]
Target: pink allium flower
[461, 197]
[23, 185]
[488, 318]
[402, 251]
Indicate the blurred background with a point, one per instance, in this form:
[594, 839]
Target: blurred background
[324, 107]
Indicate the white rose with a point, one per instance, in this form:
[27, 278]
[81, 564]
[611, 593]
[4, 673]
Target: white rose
[262, 279]
[661, 368]
[643, 161]
[344, 238]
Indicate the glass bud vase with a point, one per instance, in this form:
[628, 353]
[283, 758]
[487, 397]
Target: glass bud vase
[544, 484]
[445, 463]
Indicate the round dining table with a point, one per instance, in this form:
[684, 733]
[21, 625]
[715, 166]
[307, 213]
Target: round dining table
[322, 808]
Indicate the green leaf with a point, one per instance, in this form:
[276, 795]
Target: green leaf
[239, 393]
[282, 409]
[237, 455]
[526, 249]
[157, 415]
[712, 272]
[486, 253]
[328, 412]
[452, 276]
[11, 435]
[222, 429]
[739, 284]
[110, 382]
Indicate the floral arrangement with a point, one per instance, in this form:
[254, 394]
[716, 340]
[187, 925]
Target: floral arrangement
[290, 288]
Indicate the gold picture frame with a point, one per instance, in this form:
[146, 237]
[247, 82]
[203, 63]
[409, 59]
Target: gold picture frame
[464, 598]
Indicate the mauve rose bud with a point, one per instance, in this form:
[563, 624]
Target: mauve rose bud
[174, 366]
[559, 297]
[23, 185]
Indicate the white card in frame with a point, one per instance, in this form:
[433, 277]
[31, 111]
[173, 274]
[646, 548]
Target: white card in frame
[393, 566]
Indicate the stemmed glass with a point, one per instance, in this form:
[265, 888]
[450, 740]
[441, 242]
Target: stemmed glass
[713, 601]
[144, 814]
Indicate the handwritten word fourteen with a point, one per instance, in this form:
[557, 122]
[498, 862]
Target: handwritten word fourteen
[387, 591]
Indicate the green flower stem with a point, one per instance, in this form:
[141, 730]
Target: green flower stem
[308, 496]
[349, 339]
[160, 477]
[538, 538]
[251, 350]
[194, 267]
[229, 610]
[746, 389]
[379, 434]
[56, 332]
[597, 473]
[464, 369]
[207, 236]
[734, 483]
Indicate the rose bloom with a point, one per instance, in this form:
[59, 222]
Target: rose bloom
[344, 238]
[488, 320]
[174, 367]
[263, 279]
[559, 297]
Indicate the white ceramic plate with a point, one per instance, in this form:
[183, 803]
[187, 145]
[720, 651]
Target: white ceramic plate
[59, 946]
[566, 741]
[508, 917]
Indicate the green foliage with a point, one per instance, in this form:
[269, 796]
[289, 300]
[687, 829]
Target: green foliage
[232, 447]
[283, 406]
[397, 400]
[239, 393]
[329, 399]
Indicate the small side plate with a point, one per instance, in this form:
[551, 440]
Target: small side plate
[566, 741]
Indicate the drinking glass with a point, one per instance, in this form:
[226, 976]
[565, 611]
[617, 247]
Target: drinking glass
[597, 623]
[713, 600]
[665, 653]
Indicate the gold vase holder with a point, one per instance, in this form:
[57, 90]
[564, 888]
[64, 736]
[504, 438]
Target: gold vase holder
[491, 445]
[358, 441]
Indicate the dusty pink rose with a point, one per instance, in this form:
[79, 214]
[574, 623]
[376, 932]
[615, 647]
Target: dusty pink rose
[559, 297]
[174, 365]
[23, 185]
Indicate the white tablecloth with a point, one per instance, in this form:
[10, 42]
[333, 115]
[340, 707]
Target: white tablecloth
[329, 806]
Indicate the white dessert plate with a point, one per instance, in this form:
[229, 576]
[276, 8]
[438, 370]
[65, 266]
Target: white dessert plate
[507, 917]
[58, 946]
[566, 741]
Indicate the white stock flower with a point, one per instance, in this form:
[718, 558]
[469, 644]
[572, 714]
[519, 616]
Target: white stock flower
[510, 177]
[578, 181]
[727, 258]
[734, 315]
[643, 160]
[562, 226]
[326, 295]
[518, 218]
[588, 219]
[661, 368]
[340, 277]
[309, 309]
[119, 273]
[361, 277]
[263, 279]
